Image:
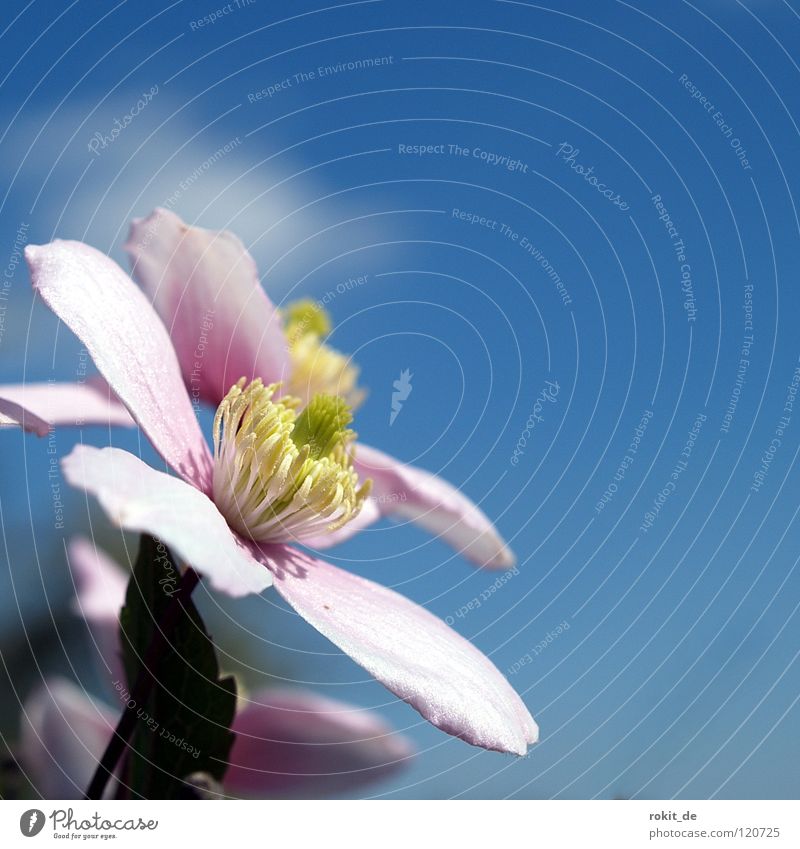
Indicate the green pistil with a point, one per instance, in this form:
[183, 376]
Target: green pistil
[322, 425]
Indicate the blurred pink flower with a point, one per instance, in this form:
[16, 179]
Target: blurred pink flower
[289, 742]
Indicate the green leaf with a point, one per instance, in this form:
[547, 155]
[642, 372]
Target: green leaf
[184, 724]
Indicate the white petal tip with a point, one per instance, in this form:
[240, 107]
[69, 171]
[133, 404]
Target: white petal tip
[31, 251]
[503, 559]
[522, 749]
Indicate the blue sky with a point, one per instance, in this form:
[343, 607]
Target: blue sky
[599, 196]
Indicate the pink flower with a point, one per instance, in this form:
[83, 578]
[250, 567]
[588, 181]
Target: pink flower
[278, 473]
[289, 742]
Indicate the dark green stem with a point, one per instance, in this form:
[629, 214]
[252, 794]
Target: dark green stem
[142, 688]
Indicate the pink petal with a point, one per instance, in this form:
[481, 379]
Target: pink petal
[297, 744]
[429, 501]
[39, 406]
[205, 286]
[64, 732]
[408, 649]
[101, 581]
[105, 309]
[139, 498]
[101, 585]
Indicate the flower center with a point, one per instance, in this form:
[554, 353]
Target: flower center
[280, 474]
[316, 367]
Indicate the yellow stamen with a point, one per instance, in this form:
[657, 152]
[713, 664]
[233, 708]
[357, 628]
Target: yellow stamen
[318, 369]
[281, 475]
